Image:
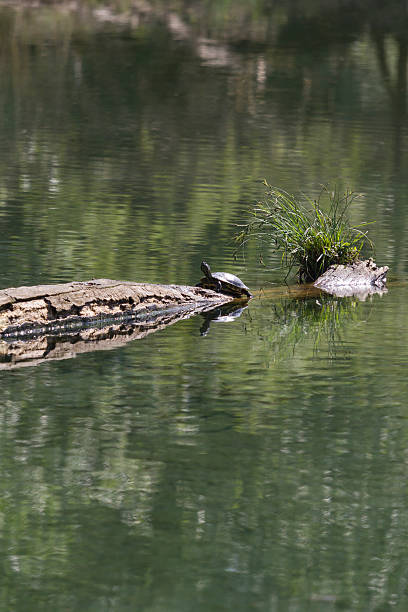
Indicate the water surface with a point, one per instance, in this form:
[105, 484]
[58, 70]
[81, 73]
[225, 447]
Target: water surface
[260, 464]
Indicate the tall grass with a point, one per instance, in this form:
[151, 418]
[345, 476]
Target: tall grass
[312, 236]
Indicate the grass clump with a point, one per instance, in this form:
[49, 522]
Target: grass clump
[312, 236]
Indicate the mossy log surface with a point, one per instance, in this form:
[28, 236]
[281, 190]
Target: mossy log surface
[28, 308]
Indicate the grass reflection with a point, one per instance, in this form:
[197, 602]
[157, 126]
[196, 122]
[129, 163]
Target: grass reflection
[285, 324]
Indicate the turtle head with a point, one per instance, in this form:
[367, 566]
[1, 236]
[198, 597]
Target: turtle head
[206, 269]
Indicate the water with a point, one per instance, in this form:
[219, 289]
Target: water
[252, 464]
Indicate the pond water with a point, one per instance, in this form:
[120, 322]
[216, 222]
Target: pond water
[252, 464]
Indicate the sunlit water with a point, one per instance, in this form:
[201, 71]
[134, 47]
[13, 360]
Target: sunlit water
[256, 463]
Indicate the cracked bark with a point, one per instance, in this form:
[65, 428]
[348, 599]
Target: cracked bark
[25, 308]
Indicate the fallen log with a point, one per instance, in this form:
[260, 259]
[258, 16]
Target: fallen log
[359, 278]
[68, 340]
[46, 307]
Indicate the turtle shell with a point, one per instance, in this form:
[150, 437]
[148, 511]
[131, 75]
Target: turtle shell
[230, 284]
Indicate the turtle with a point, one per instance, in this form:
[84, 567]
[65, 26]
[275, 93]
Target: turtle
[223, 282]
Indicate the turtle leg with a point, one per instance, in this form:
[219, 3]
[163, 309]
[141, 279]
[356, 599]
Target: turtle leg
[218, 286]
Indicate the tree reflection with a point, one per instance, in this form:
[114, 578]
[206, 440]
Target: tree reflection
[104, 145]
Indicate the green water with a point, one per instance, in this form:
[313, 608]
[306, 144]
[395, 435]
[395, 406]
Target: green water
[259, 463]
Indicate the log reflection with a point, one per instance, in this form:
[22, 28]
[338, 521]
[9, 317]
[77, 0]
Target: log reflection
[71, 339]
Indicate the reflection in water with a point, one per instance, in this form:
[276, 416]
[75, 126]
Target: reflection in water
[288, 321]
[361, 293]
[69, 338]
[287, 324]
[265, 467]
[223, 314]
[98, 184]
[175, 458]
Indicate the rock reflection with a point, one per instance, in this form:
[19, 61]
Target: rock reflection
[361, 293]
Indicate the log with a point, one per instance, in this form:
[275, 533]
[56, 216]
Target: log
[68, 340]
[359, 278]
[26, 309]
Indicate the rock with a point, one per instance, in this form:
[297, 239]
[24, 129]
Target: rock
[360, 277]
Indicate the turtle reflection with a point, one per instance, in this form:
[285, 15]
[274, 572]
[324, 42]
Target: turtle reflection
[222, 314]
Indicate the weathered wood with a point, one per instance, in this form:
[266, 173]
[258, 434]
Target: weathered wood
[360, 277]
[23, 308]
[69, 339]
